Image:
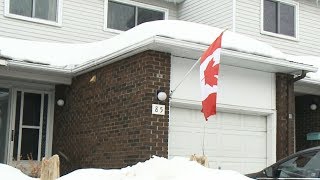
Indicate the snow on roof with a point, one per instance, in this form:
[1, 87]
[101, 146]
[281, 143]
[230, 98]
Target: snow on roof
[156, 168]
[67, 55]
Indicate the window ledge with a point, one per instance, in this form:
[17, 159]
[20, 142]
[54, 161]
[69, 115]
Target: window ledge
[114, 31]
[296, 39]
[35, 20]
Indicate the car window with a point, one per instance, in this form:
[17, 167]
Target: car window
[305, 165]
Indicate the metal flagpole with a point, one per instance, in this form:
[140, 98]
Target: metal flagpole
[185, 76]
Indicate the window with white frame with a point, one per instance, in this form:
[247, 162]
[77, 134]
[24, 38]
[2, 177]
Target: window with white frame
[127, 14]
[42, 11]
[280, 17]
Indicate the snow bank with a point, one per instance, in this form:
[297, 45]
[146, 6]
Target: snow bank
[10, 173]
[156, 168]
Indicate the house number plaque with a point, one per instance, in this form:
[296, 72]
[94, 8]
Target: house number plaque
[158, 109]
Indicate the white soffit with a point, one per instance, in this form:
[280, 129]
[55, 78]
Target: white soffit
[174, 1]
[229, 57]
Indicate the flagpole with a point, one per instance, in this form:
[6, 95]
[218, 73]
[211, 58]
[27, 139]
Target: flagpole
[185, 76]
[204, 134]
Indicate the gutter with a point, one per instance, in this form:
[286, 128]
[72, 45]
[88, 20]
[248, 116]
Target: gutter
[301, 76]
[158, 43]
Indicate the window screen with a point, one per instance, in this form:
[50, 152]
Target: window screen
[41, 9]
[124, 16]
[279, 18]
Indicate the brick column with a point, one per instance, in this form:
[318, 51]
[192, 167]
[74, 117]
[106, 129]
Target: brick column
[285, 115]
[107, 123]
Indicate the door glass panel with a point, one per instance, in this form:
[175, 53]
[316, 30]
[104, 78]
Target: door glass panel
[44, 125]
[31, 109]
[16, 126]
[27, 137]
[29, 144]
[4, 123]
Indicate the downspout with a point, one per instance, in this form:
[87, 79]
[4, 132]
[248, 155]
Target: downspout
[292, 109]
[301, 76]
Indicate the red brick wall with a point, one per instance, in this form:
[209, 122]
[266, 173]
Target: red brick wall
[108, 124]
[307, 121]
[285, 115]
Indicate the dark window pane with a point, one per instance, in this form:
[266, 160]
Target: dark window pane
[120, 16]
[29, 144]
[44, 125]
[31, 109]
[46, 9]
[270, 16]
[287, 20]
[21, 7]
[16, 126]
[146, 15]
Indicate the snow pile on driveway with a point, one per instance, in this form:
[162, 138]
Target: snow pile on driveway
[156, 168]
[11, 173]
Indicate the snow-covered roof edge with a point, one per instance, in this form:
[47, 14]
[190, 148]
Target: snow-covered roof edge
[71, 56]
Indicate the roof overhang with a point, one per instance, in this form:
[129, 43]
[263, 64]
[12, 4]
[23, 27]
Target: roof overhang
[307, 86]
[194, 50]
[174, 1]
[175, 47]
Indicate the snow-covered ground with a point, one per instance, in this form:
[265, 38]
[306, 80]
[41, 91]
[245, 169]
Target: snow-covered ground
[156, 168]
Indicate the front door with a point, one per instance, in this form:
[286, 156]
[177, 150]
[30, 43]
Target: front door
[29, 125]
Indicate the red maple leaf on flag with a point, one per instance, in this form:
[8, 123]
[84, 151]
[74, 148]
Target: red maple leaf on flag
[210, 74]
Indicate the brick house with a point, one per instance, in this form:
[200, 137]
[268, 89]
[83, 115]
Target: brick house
[106, 118]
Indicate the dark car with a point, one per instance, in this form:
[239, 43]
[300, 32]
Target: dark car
[301, 165]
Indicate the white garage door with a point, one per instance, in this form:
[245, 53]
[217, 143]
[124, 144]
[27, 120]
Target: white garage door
[232, 141]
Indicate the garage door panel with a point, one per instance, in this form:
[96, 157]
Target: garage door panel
[232, 141]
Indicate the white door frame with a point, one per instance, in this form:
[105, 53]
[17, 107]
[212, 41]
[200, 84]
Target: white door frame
[49, 128]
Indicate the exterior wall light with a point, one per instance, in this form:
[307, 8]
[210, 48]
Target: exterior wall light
[313, 107]
[161, 95]
[60, 102]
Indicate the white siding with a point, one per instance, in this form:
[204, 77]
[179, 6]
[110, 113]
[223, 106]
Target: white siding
[248, 22]
[217, 13]
[237, 86]
[82, 21]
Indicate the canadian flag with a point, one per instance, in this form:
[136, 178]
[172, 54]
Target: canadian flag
[209, 69]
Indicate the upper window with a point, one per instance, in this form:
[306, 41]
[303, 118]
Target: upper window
[125, 15]
[280, 18]
[42, 11]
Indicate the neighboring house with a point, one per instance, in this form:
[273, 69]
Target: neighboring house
[108, 87]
